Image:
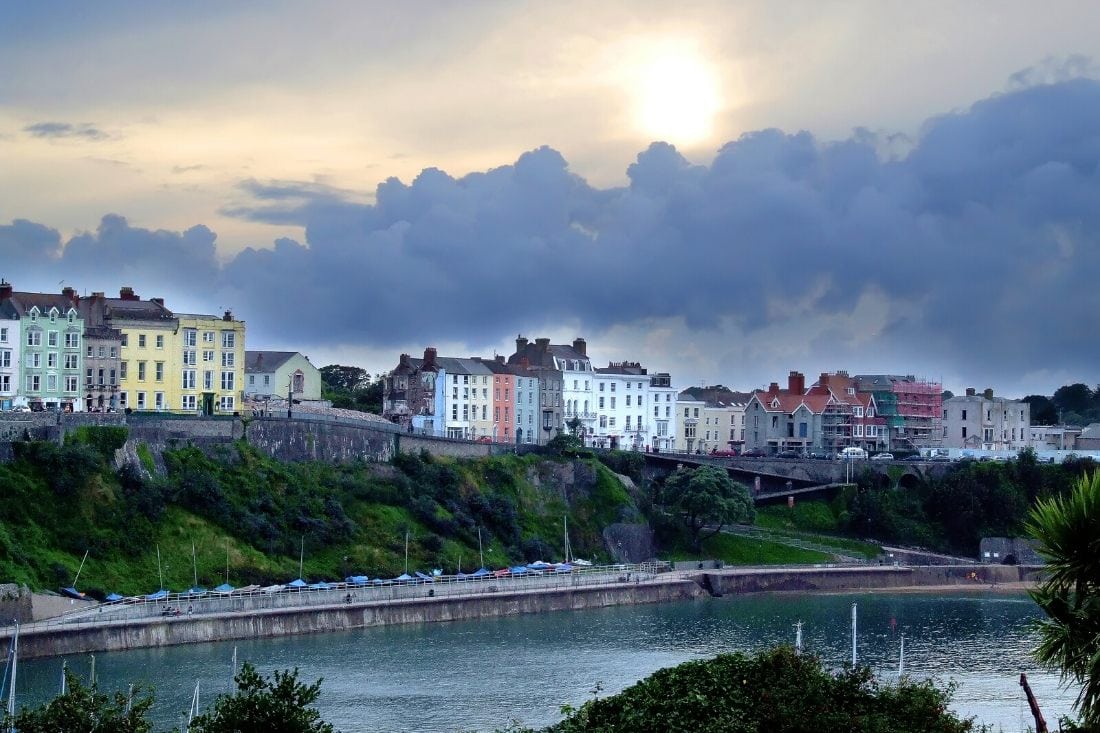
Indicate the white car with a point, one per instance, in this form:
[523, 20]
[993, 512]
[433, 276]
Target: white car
[851, 453]
[882, 457]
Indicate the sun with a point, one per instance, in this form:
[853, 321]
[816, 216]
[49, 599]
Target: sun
[677, 97]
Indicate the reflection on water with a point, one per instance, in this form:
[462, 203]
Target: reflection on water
[480, 675]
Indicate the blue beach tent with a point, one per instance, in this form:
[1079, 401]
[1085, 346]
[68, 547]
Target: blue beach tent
[224, 588]
[297, 584]
[113, 597]
[159, 595]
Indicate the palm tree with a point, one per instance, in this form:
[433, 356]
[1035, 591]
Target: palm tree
[1068, 532]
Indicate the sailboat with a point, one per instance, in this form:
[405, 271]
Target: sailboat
[71, 591]
[11, 668]
[225, 587]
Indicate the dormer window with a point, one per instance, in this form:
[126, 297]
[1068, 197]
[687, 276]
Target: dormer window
[775, 402]
[851, 390]
[34, 313]
[53, 315]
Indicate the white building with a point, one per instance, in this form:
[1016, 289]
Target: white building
[661, 418]
[9, 353]
[274, 374]
[622, 398]
[985, 422]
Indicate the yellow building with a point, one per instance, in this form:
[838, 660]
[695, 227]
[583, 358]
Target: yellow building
[208, 360]
[178, 362]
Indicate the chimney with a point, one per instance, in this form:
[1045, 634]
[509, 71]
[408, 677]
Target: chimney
[498, 358]
[796, 383]
[69, 292]
[580, 346]
[988, 393]
[227, 316]
[5, 289]
[127, 293]
[970, 392]
[429, 356]
[404, 360]
[542, 343]
[97, 296]
[521, 343]
[773, 388]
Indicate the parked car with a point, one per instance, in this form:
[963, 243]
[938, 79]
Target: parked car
[852, 453]
[726, 453]
[788, 454]
[754, 453]
[822, 455]
[882, 457]
[915, 457]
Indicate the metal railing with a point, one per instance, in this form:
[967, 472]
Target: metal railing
[252, 600]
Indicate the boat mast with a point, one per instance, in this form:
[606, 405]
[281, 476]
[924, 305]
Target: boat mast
[798, 637]
[301, 557]
[901, 659]
[479, 552]
[63, 663]
[565, 524]
[78, 570]
[194, 565]
[853, 635]
[160, 570]
[406, 552]
[14, 669]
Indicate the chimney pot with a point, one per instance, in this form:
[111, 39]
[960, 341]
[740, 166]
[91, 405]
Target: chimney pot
[773, 388]
[542, 343]
[988, 393]
[127, 293]
[580, 346]
[5, 289]
[227, 317]
[971, 392]
[430, 354]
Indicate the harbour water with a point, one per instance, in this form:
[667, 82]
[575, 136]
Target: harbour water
[481, 675]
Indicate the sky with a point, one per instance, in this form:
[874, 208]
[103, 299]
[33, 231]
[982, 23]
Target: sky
[725, 191]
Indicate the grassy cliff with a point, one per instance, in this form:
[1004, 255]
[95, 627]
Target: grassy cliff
[60, 501]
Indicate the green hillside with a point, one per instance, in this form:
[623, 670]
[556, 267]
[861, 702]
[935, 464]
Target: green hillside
[60, 501]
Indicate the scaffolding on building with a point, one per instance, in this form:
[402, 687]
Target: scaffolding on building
[920, 406]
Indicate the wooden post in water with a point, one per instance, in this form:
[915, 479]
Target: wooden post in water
[1040, 723]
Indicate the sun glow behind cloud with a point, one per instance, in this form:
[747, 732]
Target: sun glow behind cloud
[676, 94]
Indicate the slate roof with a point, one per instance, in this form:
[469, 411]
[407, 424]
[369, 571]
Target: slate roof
[257, 362]
[716, 396]
[23, 303]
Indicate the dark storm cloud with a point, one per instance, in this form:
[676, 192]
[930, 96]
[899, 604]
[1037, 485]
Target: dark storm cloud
[981, 242]
[65, 129]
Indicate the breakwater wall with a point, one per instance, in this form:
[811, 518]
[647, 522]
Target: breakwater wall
[93, 636]
[751, 580]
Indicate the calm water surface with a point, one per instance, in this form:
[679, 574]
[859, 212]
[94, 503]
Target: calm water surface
[481, 675]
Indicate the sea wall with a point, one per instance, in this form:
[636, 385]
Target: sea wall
[115, 636]
[743, 580]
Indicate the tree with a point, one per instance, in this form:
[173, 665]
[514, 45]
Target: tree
[706, 497]
[84, 709]
[777, 691]
[1043, 410]
[280, 704]
[338, 376]
[1066, 528]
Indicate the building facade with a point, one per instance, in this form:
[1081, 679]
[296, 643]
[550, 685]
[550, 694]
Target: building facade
[10, 351]
[985, 422]
[278, 374]
[51, 333]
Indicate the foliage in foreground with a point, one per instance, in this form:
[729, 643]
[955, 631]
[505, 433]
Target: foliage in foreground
[1067, 528]
[84, 709]
[775, 691]
[277, 704]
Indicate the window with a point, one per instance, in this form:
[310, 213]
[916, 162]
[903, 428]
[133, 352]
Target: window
[71, 384]
[125, 340]
[122, 399]
[801, 430]
[601, 403]
[601, 386]
[227, 403]
[71, 361]
[964, 417]
[189, 380]
[628, 400]
[141, 371]
[208, 337]
[5, 383]
[34, 361]
[114, 352]
[252, 379]
[141, 400]
[158, 400]
[91, 352]
[628, 422]
[190, 357]
[859, 412]
[51, 339]
[612, 403]
[696, 412]
[5, 358]
[141, 345]
[122, 369]
[72, 341]
[229, 339]
[34, 383]
[34, 338]
[611, 422]
[160, 341]
[267, 380]
[208, 356]
[51, 360]
[51, 382]
[113, 380]
[158, 371]
[964, 431]
[88, 377]
[102, 350]
[612, 386]
[190, 337]
[189, 402]
[227, 381]
[859, 431]
[668, 412]
[4, 335]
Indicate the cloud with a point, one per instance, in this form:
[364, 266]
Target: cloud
[975, 253]
[55, 130]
